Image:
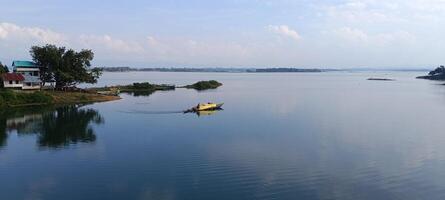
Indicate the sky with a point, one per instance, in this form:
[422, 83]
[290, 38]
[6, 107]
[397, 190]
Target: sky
[231, 33]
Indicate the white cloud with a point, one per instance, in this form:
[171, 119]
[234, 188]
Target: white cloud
[358, 36]
[351, 34]
[357, 11]
[191, 51]
[376, 11]
[427, 5]
[109, 43]
[10, 31]
[285, 31]
[152, 41]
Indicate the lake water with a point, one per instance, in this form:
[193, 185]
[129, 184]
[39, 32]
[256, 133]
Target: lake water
[329, 135]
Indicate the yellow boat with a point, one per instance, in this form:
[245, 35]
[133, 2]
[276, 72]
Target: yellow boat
[207, 106]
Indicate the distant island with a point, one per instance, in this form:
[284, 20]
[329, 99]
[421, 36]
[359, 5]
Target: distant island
[286, 70]
[437, 74]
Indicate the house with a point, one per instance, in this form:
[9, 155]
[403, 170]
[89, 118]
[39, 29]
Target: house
[31, 73]
[12, 80]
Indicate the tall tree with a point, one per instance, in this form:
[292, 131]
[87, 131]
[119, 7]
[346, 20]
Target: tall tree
[64, 66]
[47, 58]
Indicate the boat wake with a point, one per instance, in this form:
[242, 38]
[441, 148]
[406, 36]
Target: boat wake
[152, 112]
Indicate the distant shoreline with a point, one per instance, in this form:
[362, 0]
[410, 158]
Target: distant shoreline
[255, 70]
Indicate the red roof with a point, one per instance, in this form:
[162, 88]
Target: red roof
[12, 77]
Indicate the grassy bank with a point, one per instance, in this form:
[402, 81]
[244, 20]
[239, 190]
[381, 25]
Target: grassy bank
[11, 98]
[78, 97]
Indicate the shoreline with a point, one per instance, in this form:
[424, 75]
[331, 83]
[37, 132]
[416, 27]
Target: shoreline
[19, 98]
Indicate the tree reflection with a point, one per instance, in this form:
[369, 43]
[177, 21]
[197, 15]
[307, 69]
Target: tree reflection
[68, 125]
[54, 127]
[141, 93]
[3, 135]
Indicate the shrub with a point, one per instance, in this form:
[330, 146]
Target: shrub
[439, 70]
[144, 85]
[205, 85]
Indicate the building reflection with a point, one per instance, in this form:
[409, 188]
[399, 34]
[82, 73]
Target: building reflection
[54, 127]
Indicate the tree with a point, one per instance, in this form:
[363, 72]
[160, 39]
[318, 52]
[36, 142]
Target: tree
[64, 66]
[3, 68]
[439, 70]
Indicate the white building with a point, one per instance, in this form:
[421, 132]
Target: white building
[12, 80]
[31, 73]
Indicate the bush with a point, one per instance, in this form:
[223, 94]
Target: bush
[205, 85]
[439, 70]
[144, 85]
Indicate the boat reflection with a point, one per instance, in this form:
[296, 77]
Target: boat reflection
[54, 127]
[207, 112]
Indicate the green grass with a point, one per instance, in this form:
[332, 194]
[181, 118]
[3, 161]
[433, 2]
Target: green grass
[13, 98]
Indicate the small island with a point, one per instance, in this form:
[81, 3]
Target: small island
[204, 85]
[146, 88]
[282, 70]
[381, 79]
[437, 74]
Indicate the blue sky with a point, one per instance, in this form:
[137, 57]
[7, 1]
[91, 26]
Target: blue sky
[231, 33]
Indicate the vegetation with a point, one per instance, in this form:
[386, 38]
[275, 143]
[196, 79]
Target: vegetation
[65, 67]
[144, 86]
[79, 97]
[3, 68]
[137, 89]
[436, 74]
[204, 85]
[11, 98]
[439, 70]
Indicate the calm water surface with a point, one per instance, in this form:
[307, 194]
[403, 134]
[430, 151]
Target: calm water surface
[280, 136]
